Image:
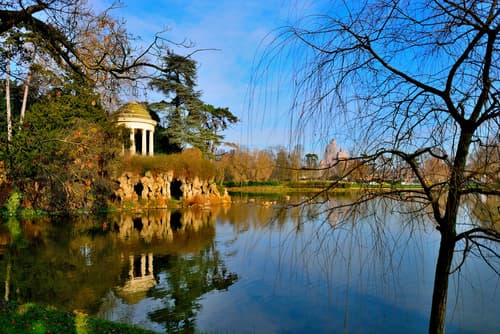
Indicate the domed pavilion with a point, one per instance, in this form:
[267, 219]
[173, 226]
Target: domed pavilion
[142, 127]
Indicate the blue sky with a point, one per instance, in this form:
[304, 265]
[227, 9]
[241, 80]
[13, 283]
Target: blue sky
[235, 29]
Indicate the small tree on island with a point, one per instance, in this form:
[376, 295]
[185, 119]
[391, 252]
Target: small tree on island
[412, 81]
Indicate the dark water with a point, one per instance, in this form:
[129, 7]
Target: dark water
[247, 268]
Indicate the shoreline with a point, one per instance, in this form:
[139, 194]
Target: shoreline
[284, 189]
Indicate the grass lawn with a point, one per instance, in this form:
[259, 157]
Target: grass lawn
[311, 187]
[29, 318]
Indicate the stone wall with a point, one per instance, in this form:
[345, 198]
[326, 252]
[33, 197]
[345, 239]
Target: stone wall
[156, 190]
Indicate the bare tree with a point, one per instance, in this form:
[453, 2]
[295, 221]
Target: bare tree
[74, 35]
[410, 81]
[70, 36]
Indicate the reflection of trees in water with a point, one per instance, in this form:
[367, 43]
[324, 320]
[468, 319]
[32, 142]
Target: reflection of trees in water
[186, 264]
[382, 249]
[484, 213]
[50, 268]
[486, 209]
[412, 216]
[182, 281]
[72, 264]
[378, 248]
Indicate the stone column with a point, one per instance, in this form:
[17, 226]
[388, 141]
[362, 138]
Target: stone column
[150, 264]
[132, 141]
[143, 265]
[131, 264]
[143, 137]
[151, 142]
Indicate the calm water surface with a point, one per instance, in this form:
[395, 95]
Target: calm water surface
[248, 268]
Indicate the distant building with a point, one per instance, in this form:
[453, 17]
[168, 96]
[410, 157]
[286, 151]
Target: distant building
[333, 160]
[333, 154]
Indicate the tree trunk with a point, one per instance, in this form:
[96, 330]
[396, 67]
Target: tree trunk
[447, 227]
[7, 100]
[440, 294]
[25, 98]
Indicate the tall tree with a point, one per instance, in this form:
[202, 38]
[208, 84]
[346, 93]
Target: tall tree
[410, 81]
[311, 160]
[186, 119]
[73, 35]
[70, 36]
[7, 100]
[217, 119]
[283, 165]
[51, 41]
[66, 151]
[17, 50]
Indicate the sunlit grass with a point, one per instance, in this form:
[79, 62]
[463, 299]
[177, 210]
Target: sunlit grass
[28, 318]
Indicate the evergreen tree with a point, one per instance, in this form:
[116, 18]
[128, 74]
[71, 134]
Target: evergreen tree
[185, 119]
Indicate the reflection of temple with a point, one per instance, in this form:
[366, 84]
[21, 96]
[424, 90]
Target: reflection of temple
[140, 278]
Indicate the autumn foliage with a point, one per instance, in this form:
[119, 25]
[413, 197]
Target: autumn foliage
[186, 164]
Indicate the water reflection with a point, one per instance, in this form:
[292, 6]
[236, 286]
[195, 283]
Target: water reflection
[79, 264]
[486, 209]
[140, 279]
[313, 270]
[252, 267]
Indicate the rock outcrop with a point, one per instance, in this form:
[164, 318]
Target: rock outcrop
[156, 190]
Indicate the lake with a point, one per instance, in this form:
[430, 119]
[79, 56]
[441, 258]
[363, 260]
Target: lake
[246, 268]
